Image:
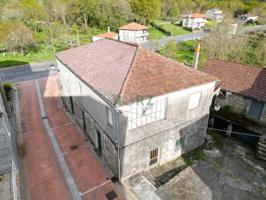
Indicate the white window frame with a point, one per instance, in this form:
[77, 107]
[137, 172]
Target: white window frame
[194, 100]
[110, 116]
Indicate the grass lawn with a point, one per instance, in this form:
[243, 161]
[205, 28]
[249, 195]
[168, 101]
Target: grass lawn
[185, 52]
[155, 33]
[159, 21]
[44, 50]
[174, 30]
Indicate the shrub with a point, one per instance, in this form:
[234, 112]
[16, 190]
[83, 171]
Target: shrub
[8, 90]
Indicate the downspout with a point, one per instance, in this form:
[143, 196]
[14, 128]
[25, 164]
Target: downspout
[118, 145]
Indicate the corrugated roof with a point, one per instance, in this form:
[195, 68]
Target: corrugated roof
[129, 71]
[242, 79]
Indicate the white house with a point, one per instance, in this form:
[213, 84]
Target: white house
[214, 14]
[194, 21]
[111, 35]
[134, 33]
[248, 17]
[139, 109]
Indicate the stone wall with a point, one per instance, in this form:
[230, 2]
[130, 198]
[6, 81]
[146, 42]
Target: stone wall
[90, 127]
[137, 154]
[238, 103]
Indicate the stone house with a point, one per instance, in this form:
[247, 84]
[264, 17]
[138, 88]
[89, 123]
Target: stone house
[194, 21]
[215, 14]
[133, 33]
[138, 108]
[243, 91]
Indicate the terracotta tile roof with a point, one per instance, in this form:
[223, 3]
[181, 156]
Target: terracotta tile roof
[133, 26]
[237, 78]
[110, 35]
[129, 71]
[194, 15]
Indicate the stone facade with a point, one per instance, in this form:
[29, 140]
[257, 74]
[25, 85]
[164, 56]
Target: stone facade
[126, 150]
[239, 104]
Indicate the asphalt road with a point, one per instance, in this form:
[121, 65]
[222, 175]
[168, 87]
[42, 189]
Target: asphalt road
[27, 72]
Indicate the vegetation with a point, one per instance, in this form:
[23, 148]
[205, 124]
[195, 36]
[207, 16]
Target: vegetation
[33, 30]
[8, 91]
[182, 52]
[155, 33]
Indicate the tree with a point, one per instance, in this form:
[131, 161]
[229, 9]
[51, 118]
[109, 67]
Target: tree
[146, 9]
[170, 49]
[169, 8]
[31, 10]
[18, 37]
[222, 45]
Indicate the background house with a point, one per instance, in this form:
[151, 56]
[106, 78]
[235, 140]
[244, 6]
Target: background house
[243, 89]
[111, 35]
[137, 108]
[133, 32]
[194, 21]
[248, 17]
[214, 14]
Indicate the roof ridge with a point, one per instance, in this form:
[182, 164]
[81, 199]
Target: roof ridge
[129, 70]
[122, 42]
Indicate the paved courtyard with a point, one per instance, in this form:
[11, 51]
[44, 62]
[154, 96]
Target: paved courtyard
[227, 173]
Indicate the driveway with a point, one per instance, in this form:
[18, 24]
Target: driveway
[227, 173]
[59, 162]
[155, 45]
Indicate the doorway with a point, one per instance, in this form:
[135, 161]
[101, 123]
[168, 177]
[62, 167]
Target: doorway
[72, 105]
[99, 143]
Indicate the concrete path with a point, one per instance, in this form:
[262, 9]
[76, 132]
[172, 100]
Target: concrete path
[45, 179]
[52, 169]
[89, 175]
[69, 179]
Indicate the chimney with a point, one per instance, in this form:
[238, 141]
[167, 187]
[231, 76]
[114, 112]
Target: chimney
[108, 29]
[196, 57]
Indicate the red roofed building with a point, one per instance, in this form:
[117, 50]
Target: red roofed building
[194, 21]
[133, 33]
[138, 108]
[243, 88]
[110, 35]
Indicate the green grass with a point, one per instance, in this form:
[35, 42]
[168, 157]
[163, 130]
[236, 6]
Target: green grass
[184, 51]
[174, 30]
[44, 50]
[155, 33]
[159, 21]
[194, 156]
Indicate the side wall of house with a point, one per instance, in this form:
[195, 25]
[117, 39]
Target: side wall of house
[239, 104]
[180, 122]
[91, 114]
[133, 36]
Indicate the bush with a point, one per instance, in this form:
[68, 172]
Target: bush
[8, 90]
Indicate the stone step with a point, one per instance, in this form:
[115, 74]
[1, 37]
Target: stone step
[261, 144]
[261, 153]
[262, 157]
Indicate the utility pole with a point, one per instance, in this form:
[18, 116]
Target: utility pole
[196, 57]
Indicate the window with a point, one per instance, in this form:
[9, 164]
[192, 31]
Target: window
[146, 112]
[153, 156]
[194, 100]
[179, 144]
[110, 117]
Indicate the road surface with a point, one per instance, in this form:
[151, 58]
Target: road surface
[27, 72]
